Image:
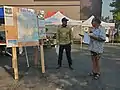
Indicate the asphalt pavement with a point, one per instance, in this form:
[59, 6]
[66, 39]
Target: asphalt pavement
[64, 79]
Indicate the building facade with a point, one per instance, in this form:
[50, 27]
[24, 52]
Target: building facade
[75, 9]
[91, 7]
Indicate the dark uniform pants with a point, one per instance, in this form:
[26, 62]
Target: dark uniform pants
[67, 48]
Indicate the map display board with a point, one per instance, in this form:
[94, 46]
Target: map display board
[10, 18]
[27, 27]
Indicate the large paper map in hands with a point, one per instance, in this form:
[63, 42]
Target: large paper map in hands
[27, 25]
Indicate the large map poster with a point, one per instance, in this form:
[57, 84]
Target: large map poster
[27, 26]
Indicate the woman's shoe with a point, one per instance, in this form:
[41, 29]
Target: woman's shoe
[97, 76]
[91, 74]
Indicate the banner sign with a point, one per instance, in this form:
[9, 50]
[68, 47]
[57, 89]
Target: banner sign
[41, 25]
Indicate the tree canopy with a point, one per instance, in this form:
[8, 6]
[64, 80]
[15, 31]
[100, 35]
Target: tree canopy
[116, 10]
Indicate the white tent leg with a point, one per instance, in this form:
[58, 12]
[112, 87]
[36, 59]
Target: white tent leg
[9, 53]
[26, 54]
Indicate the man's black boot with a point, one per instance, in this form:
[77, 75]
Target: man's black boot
[71, 67]
[58, 67]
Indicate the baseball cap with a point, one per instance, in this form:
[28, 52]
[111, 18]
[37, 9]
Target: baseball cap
[65, 19]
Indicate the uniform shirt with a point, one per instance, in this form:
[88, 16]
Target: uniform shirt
[95, 45]
[64, 35]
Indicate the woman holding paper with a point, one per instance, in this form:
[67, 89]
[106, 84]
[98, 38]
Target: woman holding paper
[97, 39]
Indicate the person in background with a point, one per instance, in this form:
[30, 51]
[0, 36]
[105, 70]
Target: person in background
[21, 50]
[64, 40]
[2, 47]
[96, 46]
[1, 38]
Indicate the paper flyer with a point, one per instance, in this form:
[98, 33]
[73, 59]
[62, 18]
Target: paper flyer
[86, 38]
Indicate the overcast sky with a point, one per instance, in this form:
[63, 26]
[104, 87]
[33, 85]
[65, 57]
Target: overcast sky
[106, 8]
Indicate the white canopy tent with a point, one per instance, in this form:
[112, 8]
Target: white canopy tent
[56, 20]
[87, 23]
[108, 24]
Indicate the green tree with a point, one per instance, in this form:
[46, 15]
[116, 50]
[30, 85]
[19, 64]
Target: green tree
[116, 10]
[116, 16]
